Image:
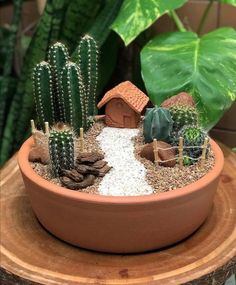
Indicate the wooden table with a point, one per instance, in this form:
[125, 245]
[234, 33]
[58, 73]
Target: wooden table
[31, 255]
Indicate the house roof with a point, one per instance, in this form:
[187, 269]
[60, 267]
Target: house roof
[127, 91]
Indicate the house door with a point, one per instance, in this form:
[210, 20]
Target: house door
[128, 122]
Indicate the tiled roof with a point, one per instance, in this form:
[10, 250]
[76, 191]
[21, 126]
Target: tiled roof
[127, 91]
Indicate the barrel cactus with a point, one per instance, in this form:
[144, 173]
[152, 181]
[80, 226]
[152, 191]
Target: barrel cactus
[61, 149]
[182, 116]
[157, 124]
[194, 137]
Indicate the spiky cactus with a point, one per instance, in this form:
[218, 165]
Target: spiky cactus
[193, 136]
[61, 149]
[74, 101]
[43, 92]
[57, 58]
[88, 63]
[157, 124]
[182, 116]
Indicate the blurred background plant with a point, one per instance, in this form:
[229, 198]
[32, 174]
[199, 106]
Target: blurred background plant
[23, 45]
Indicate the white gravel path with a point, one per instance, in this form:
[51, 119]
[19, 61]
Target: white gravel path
[127, 177]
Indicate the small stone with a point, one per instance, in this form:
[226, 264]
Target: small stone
[103, 171]
[69, 183]
[86, 169]
[38, 153]
[73, 174]
[89, 157]
[183, 99]
[148, 153]
[99, 164]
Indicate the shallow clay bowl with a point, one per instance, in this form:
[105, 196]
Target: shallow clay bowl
[120, 224]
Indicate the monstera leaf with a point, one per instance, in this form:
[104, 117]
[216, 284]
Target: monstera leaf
[137, 15]
[205, 67]
[231, 2]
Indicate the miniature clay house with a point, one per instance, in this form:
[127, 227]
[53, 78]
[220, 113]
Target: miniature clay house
[124, 104]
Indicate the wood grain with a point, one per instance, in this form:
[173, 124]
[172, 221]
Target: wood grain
[31, 255]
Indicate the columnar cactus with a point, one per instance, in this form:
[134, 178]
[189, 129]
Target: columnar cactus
[88, 63]
[43, 92]
[193, 136]
[58, 57]
[74, 101]
[61, 149]
[157, 124]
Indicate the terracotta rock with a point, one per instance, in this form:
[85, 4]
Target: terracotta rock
[147, 152]
[99, 164]
[39, 153]
[89, 157]
[71, 184]
[183, 99]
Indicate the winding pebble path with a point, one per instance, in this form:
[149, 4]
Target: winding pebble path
[127, 176]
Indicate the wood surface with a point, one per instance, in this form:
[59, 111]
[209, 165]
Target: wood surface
[31, 255]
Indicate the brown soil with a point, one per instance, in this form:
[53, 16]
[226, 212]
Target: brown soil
[162, 179]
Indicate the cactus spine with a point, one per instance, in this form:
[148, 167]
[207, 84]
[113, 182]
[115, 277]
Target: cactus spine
[182, 116]
[73, 96]
[43, 93]
[157, 124]
[88, 63]
[57, 57]
[61, 149]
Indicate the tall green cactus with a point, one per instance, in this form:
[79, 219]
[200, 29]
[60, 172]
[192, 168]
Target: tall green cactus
[43, 92]
[157, 124]
[73, 96]
[88, 63]
[57, 57]
[61, 149]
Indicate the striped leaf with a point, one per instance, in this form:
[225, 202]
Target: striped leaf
[137, 15]
[205, 67]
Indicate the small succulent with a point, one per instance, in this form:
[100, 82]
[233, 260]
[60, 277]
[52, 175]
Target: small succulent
[194, 137]
[61, 149]
[182, 116]
[157, 124]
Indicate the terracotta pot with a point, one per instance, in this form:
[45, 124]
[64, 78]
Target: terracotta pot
[120, 224]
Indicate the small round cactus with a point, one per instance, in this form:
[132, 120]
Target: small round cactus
[194, 136]
[182, 116]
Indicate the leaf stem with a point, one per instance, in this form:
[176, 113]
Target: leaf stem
[204, 16]
[177, 21]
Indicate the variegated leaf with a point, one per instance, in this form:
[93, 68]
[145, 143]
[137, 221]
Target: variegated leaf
[231, 2]
[205, 67]
[137, 15]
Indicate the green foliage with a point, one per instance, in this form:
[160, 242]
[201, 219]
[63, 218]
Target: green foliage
[193, 136]
[43, 93]
[175, 62]
[137, 15]
[231, 2]
[157, 124]
[74, 97]
[61, 150]
[182, 116]
[88, 64]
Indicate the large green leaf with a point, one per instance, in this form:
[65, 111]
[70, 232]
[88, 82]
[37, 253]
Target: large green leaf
[137, 15]
[205, 67]
[231, 2]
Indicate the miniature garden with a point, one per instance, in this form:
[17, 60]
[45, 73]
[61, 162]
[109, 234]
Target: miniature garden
[130, 150]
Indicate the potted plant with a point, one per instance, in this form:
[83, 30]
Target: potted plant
[78, 154]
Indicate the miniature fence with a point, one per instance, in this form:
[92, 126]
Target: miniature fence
[47, 133]
[180, 156]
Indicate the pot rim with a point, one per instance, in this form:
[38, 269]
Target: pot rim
[28, 171]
